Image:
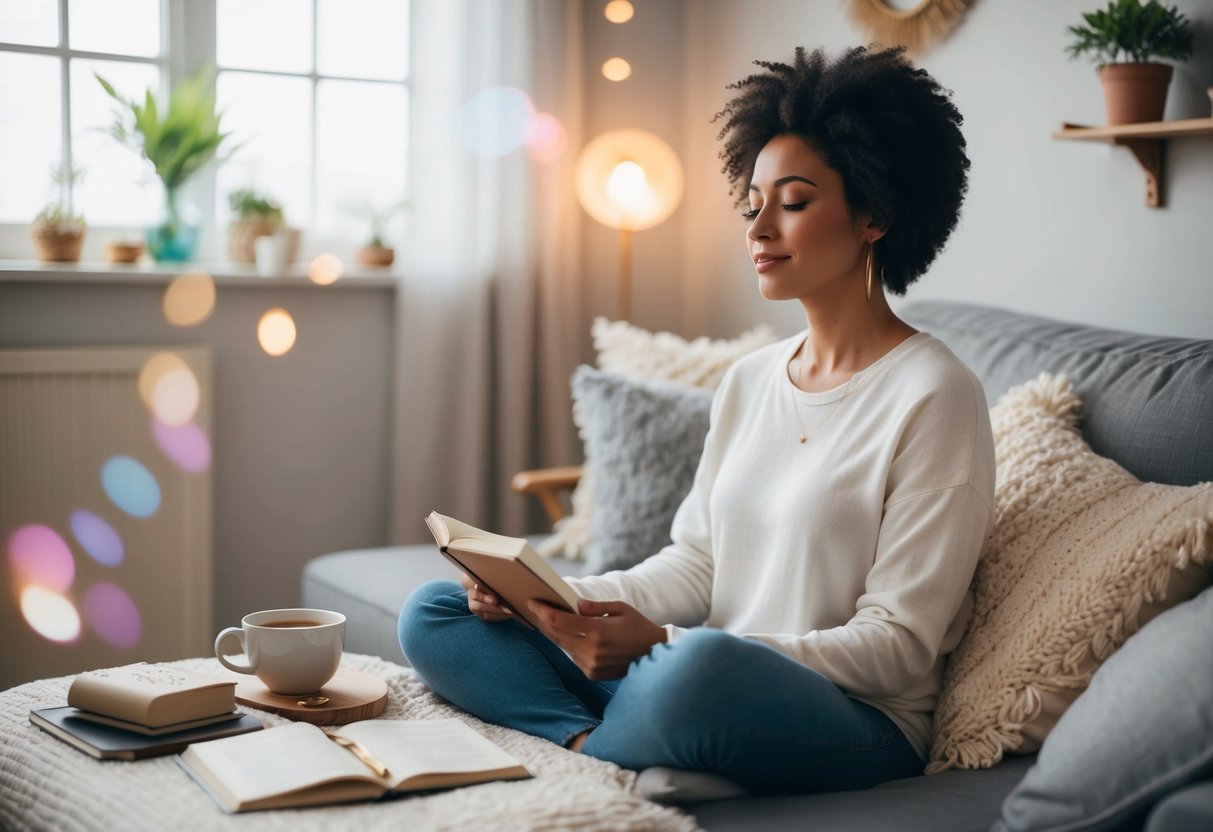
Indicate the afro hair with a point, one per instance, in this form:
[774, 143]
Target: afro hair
[888, 129]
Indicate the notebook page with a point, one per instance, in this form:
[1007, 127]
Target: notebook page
[427, 746]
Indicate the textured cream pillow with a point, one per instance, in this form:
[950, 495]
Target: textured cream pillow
[1082, 553]
[660, 356]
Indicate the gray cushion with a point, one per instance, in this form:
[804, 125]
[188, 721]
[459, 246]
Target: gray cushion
[1149, 400]
[955, 801]
[1142, 729]
[1189, 809]
[645, 438]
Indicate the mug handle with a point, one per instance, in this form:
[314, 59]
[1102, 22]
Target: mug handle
[222, 637]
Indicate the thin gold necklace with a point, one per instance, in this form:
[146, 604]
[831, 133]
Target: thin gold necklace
[803, 437]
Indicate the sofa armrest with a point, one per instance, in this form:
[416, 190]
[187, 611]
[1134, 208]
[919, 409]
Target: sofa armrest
[546, 484]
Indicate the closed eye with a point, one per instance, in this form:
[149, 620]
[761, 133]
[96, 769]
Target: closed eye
[795, 206]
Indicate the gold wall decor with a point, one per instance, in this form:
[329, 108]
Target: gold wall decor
[919, 28]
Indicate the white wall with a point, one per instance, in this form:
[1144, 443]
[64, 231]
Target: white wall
[1049, 227]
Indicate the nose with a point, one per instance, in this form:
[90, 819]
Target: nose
[761, 227]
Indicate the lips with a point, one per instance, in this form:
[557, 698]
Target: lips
[766, 262]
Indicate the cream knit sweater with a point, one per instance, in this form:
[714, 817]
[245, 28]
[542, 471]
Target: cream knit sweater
[851, 553]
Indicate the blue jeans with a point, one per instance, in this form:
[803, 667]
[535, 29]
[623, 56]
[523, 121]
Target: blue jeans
[711, 701]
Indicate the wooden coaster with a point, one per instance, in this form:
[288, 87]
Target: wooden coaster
[352, 695]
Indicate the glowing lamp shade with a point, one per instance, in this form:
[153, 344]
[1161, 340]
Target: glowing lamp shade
[629, 179]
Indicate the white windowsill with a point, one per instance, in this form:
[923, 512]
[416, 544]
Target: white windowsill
[224, 274]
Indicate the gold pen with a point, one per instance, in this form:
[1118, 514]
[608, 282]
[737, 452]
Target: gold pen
[360, 752]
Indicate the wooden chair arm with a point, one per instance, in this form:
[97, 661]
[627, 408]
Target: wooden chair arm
[546, 484]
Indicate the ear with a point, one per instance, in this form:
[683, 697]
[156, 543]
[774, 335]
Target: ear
[874, 230]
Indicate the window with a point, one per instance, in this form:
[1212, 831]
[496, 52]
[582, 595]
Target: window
[53, 111]
[315, 93]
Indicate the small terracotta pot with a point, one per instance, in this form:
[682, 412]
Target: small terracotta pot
[1134, 93]
[123, 251]
[375, 256]
[57, 245]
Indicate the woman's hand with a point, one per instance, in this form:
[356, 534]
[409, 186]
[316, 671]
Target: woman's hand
[484, 605]
[606, 638]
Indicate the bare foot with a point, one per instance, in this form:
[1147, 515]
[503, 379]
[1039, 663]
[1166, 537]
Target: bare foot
[579, 740]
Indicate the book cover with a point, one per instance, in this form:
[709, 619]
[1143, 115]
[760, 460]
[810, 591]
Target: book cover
[509, 567]
[106, 742]
[152, 695]
[302, 765]
[155, 732]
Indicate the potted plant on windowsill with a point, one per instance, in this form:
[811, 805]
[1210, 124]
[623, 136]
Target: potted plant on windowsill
[376, 252]
[58, 230]
[177, 140]
[1122, 39]
[257, 215]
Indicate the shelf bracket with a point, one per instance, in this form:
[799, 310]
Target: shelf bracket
[1149, 154]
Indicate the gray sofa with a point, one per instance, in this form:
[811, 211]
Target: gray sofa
[1149, 405]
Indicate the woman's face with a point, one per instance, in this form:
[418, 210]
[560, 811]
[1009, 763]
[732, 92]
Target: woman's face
[802, 237]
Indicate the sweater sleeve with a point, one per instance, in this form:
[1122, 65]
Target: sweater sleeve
[926, 554]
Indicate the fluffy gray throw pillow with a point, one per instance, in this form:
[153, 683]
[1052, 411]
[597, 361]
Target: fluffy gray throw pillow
[645, 438]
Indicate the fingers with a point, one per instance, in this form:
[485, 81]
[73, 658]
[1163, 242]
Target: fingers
[483, 604]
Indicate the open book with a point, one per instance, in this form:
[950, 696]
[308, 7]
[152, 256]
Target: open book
[302, 765]
[508, 567]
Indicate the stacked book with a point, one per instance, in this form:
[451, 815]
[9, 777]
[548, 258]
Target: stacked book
[144, 710]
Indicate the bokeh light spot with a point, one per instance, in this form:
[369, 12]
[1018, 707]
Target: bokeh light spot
[50, 614]
[324, 269]
[618, 11]
[112, 615]
[156, 368]
[131, 486]
[616, 69]
[175, 396]
[276, 331]
[97, 537]
[40, 556]
[186, 445]
[189, 299]
[494, 121]
[546, 138]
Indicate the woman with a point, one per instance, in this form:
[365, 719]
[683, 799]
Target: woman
[792, 635]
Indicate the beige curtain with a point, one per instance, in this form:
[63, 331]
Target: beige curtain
[490, 321]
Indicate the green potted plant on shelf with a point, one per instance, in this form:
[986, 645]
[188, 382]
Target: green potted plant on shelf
[376, 252]
[58, 230]
[1123, 40]
[177, 140]
[254, 215]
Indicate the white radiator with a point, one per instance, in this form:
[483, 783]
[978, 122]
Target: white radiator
[105, 515]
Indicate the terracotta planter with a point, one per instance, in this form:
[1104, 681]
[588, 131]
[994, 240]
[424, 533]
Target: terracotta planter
[123, 251]
[375, 256]
[56, 245]
[242, 233]
[1135, 93]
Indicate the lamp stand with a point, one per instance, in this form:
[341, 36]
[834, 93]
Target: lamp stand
[623, 306]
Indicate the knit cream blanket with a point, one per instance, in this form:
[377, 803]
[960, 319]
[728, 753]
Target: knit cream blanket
[46, 784]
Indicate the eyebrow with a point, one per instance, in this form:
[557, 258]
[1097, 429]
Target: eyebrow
[783, 180]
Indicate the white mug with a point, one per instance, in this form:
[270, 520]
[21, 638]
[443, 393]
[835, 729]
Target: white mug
[292, 651]
[269, 252]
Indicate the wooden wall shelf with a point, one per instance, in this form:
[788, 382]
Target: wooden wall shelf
[1147, 141]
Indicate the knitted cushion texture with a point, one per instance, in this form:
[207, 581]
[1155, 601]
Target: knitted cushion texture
[1082, 553]
[656, 356]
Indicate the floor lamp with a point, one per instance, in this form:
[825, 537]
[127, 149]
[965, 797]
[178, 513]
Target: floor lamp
[628, 180]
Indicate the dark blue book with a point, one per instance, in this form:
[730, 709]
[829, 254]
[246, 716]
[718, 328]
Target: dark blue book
[106, 742]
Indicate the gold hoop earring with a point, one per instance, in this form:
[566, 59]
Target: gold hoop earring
[869, 289]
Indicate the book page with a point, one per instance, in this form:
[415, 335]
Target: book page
[277, 760]
[427, 746]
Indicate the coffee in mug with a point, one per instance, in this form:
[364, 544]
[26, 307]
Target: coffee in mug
[292, 651]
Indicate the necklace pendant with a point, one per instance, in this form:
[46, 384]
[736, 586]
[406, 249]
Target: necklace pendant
[803, 439]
